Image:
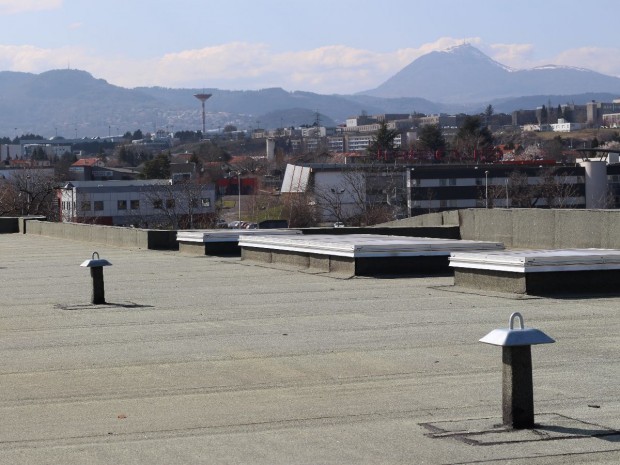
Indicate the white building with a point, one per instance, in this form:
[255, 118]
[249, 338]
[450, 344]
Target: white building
[143, 203]
[564, 126]
[342, 191]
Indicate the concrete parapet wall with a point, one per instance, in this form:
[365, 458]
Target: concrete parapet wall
[532, 228]
[105, 235]
[447, 218]
[395, 229]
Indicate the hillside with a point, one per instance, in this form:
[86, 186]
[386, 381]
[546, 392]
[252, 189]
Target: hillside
[73, 103]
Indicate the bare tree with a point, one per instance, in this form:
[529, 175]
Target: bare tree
[302, 210]
[264, 206]
[556, 189]
[352, 200]
[29, 192]
[181, 205]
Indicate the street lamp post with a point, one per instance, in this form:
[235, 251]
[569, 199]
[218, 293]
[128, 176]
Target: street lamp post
[486, 189]
[28, 194]
[239, 196]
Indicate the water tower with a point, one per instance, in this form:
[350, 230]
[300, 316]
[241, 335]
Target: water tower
[203, 98]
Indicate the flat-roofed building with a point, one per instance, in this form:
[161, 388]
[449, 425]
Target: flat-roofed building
[147, 203]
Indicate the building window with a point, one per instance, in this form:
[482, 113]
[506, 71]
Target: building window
[85, 206]
[122, 204]
[443, 182]
[98, 205]
[169, 203]
[134, 204]
[452, 181]
[206, 202]
[158, 204]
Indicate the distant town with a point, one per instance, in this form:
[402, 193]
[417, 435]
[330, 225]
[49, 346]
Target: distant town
[369, 170]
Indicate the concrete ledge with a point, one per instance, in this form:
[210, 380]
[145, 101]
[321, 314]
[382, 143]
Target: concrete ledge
[191, 248]
[258, 255]
[377, 266]
[297, 259]
[319, 263]
[105, 235]
[549, 283]
[490, 280]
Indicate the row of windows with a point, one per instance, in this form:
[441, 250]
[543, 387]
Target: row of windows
[490, 181]
[122, 205]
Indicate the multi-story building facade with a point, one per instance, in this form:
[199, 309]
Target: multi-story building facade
[143, 203]
[596, 110]
[433, 188]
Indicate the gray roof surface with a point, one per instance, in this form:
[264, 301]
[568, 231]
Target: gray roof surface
[212, 360]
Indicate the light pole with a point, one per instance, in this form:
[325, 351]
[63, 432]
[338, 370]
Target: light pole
[239, 196]
[486, 189]
[27, 194]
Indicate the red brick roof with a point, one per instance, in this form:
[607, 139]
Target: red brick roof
[88, 162]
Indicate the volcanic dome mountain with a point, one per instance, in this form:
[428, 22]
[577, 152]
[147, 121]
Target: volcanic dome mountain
[464, 75]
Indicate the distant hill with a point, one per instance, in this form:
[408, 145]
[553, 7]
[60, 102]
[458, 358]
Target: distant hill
[464, 75]
[66, 102]
[73, 103]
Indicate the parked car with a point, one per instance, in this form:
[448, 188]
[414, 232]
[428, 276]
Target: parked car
[338, 224]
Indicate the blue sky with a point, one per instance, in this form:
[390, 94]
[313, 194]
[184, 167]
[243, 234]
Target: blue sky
[326, 46]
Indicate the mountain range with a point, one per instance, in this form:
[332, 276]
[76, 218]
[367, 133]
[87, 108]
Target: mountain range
[73, 103]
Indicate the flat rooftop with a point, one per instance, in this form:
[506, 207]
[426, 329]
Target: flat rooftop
[199, 359]
[539, 261]
[365, 245]
[229, 235]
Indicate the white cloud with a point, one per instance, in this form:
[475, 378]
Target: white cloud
[28, 58]
[603, 60]
[8, 7]
[241, 65]
[517, 56]
[521, 56]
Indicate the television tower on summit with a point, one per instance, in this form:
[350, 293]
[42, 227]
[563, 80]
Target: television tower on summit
[203, 98]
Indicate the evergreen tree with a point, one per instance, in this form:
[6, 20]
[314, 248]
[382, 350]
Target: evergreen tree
[157, 168]
[473, 138]
[431, 138]
[383, 141]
